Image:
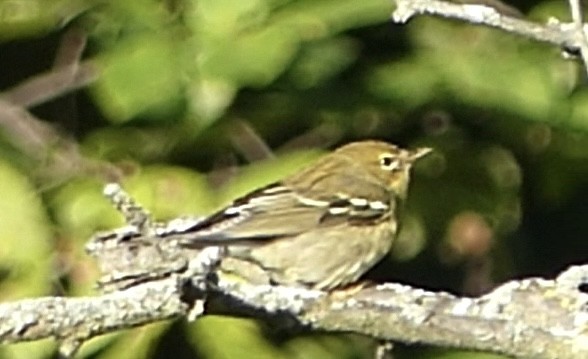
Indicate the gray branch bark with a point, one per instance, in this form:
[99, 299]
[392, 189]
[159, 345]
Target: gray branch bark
[531, 318]
[148, 278]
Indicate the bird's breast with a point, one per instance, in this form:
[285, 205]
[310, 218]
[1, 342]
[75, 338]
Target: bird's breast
[323, 258]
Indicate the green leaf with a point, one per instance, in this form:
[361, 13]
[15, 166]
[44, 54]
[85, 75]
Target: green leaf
[25, 18]
[26, 268]
[80, 209]
[169, 191]
[139, 76]
[240, 338]
[262, 173]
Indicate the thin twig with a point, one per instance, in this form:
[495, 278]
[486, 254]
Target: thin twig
[246, 139]
[71, 47]
[55, 83]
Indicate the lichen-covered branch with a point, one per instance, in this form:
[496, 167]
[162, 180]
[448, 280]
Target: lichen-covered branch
[532, 318]
[148, 277]
[77, 319]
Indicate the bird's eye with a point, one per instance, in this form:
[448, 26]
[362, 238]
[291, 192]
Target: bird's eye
[388, 162]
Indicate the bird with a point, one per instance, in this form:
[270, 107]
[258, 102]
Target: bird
[320, 228]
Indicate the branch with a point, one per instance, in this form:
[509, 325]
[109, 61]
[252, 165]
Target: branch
[148, 277]
[67, 75]
[564, 35]
[74, 320]
[532, 318]
[58, 156]
[48, 86]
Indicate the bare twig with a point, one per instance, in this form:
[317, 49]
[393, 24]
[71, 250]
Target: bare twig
[68, 74]
[59, 155]
[40, 141]
[71, 47]
[57, 82]
[249, 142]
[31, 135]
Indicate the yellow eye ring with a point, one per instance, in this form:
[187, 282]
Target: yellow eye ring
[389, 162]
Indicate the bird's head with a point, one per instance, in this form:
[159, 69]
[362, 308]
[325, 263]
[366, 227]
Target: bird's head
[384, 162]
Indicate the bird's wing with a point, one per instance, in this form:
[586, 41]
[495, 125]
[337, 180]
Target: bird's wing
[277, 211]
[267, 213]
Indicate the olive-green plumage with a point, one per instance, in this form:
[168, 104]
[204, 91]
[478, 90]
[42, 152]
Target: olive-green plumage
[322, 227]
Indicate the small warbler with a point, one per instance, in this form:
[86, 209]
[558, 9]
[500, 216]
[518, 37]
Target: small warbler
[322, 227]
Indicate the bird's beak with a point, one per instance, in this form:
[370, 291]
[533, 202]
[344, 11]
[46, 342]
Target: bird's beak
[419, 152]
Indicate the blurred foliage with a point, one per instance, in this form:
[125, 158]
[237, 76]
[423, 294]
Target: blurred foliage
[190, 92]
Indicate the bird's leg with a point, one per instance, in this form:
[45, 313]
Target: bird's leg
[351, 289]
[384, 350]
